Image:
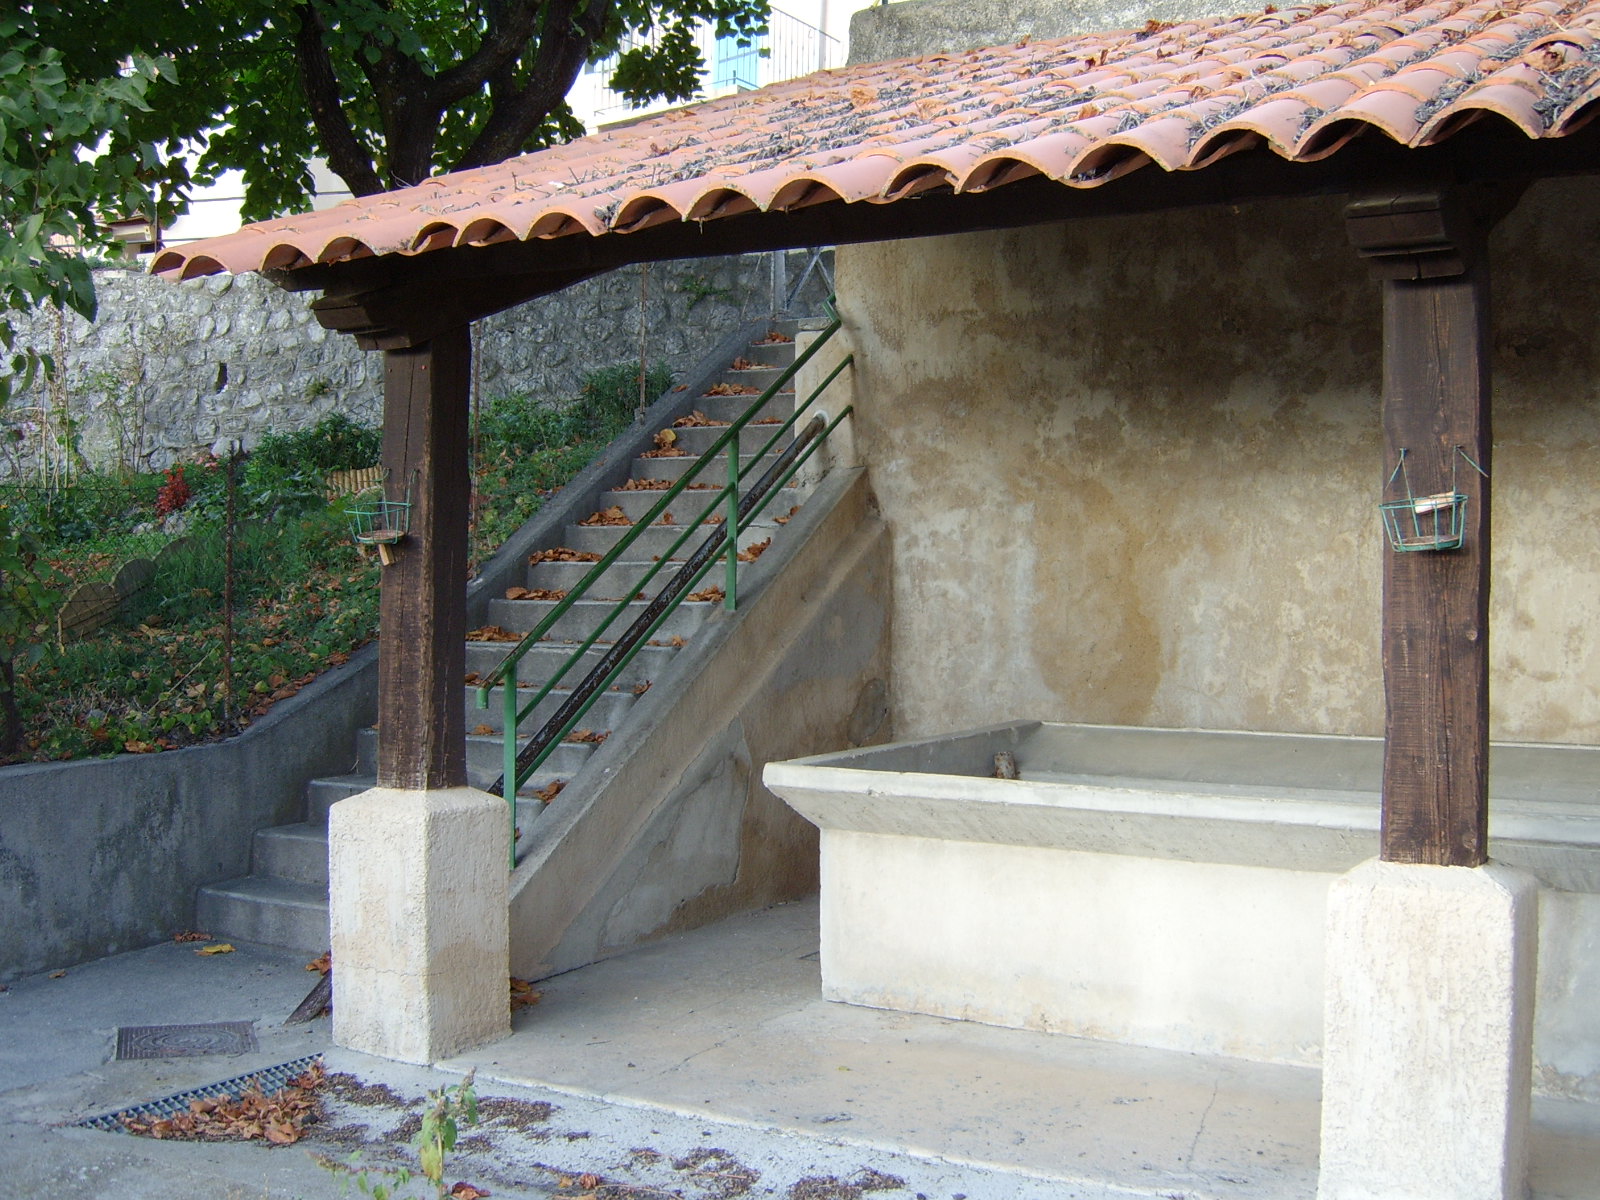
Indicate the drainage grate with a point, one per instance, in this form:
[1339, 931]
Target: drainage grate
[268, 1079]
[184, 1041]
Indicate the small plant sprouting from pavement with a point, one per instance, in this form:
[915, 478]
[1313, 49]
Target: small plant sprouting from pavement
[440, 1126]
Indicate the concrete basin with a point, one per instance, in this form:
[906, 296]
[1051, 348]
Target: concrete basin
[1158, 887]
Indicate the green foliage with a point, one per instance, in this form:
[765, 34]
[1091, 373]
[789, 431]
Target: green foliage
[92, 510]
[29, 599]
[610, 396]
[527, 449]
[447, 1110]
[698, 288]
[387, 93]
[53, 185]
[284, 473]
[305, 596]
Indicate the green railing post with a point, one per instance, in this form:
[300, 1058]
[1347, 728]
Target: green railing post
[508, 755]
[518, 767]
[730, 526]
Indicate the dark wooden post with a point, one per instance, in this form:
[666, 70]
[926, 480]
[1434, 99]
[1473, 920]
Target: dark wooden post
[1426, 246]
[422, 649]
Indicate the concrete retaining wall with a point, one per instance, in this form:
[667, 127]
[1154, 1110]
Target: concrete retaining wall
[103, 856]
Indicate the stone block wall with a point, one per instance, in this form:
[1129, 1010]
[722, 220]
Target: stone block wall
[169, 371]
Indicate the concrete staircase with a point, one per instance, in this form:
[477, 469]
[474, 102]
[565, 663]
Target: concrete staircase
[284, 901]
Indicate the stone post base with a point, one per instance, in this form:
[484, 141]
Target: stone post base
[418, 906]
[1428, 1043]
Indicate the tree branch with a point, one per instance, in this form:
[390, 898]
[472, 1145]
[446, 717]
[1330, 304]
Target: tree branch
[509, 28]
[565, 40]
[346, 156]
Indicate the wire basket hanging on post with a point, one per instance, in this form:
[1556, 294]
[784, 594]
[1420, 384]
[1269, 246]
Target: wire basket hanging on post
[1433, 522]
[381, 522]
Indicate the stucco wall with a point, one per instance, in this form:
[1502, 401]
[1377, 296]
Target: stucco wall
[1130, 468]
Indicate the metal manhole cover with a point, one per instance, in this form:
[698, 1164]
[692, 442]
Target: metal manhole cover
[185, 1041]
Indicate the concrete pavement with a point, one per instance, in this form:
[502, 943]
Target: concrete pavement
[705, 1065]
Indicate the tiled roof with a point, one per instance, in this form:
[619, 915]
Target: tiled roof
[1081, 110]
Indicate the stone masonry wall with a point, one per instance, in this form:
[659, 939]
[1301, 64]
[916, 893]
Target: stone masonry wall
[169, 371]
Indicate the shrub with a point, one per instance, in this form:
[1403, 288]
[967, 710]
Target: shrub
[610, 396]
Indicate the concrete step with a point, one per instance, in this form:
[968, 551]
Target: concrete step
[266, 909]
[618, 580]
[610, 709]
[759, 375]
[686, 505]
[720, 407]
[777, 354]
[321, 794]
[654, 541]
[483, 757]
[585, 616]
[729, 408]
[697, 440]
[673, 469]
[545, 657]
[298, 853]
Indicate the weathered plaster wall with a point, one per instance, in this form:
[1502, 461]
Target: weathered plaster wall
[169, 371]
[1130, 468]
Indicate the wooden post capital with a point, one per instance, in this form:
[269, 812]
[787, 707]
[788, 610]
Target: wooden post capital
[1425, 231]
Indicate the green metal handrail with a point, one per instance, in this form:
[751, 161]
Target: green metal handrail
[739, 513]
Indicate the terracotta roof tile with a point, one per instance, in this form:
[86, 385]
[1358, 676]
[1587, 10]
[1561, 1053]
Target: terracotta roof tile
[1081, 110]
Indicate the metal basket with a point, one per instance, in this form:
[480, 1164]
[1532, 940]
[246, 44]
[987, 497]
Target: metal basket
[1436, 522]
[380, 522]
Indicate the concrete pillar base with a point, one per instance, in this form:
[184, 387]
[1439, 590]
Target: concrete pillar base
[418, 907]
[1428, 1041]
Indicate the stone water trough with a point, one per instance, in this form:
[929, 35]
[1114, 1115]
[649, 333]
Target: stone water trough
[1159, 887]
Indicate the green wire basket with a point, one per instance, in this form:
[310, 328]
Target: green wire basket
[380, 523]
[1436, 522]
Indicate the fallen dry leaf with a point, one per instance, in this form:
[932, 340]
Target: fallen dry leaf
[466, 1191]
[58, 974]
[732, 389]
[523, 994]
[492, 633]
[280, 1118]
[697, 420]
[550, 790]
[190, 935]
[561, 554]
[482, 730]
[710, 593]
[219, 948]
[522, 593]
[321, 964]
[784, 520]
[137, 747]
[754, 551]
[588, 735]
[744, 364]
[773, 339]
[607, 516]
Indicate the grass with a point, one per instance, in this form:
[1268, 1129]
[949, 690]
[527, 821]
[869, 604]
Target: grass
[305, 597]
